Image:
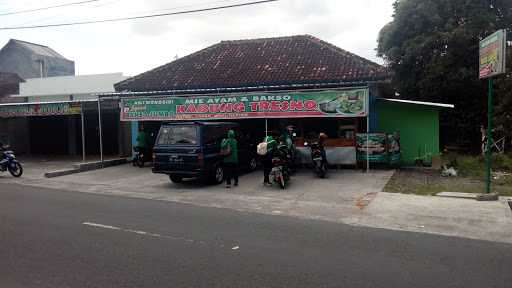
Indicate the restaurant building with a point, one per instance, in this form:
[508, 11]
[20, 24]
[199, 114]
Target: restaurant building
[265, 85]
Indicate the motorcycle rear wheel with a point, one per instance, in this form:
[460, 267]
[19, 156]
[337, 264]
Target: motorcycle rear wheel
[139, 161]
[17, 170]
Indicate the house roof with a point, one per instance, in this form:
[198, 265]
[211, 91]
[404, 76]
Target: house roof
[9, 84]
[9, 78]
[442, 105]
[301, 59]
[38, 49]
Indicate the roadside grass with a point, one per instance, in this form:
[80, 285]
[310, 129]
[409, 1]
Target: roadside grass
[470, 179]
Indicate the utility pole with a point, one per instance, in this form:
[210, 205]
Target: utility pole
[488, 150]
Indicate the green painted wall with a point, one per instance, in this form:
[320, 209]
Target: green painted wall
[418, 126]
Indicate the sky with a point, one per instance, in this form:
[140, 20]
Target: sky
[133, 47]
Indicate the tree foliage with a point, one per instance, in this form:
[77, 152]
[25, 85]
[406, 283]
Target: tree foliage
[503, 101]
[431, 46]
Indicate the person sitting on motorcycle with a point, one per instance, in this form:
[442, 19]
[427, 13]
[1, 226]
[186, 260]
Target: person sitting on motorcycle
[142, 141]
[2, 149]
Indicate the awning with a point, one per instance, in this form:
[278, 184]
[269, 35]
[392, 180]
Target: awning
[442, 105]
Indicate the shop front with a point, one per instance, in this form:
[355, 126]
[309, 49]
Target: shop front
[61, 128]
[340, 113]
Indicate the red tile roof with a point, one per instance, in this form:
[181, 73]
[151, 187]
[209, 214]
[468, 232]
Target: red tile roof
[290, 60]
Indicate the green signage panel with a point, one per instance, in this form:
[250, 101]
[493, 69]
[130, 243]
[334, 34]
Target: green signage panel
[333, 103]
[42, 109]
[493, 54]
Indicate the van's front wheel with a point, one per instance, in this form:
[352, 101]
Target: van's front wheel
[176, 179]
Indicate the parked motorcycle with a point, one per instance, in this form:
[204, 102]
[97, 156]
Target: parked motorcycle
[140, 157]
[318, 158]
[8, 162]
[279, 172]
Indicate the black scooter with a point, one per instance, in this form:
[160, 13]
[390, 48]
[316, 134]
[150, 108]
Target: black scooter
[280, 167]
[318, 158]
[140, 157]
[8, 162]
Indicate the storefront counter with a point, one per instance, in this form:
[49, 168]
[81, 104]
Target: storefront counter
[335, 155]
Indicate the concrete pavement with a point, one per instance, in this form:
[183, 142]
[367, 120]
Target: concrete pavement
[52, 238]
[469, 218]
[347, 196]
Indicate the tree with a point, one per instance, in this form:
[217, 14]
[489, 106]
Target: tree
[503, 102]
[431, 47]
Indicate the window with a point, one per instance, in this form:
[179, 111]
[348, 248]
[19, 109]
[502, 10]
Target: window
[181, 134]
[213, 134]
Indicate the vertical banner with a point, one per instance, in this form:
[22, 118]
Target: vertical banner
[373, 145]
[378, 147]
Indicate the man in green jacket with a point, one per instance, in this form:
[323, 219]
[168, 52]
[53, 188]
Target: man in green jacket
[231, 160]
[142, 141]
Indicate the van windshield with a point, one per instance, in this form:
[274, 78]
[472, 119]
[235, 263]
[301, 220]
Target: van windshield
[180, 134]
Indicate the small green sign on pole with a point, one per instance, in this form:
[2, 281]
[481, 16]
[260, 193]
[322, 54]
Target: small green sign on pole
[492, 63]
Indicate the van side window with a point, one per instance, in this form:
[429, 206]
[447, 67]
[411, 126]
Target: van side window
[209, 135]
[214, 135]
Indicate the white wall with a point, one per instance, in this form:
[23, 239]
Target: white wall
[60, 88]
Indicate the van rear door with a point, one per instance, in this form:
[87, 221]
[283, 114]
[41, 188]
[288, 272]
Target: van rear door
[177, 149]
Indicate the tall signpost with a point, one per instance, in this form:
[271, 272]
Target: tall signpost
[492, 63]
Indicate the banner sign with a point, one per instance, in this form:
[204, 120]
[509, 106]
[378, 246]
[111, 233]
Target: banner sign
[44, 109]
[335, 103]
[378, 147]
[493, 54]
[373, 145]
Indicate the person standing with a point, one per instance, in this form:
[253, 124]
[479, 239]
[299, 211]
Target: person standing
[142, 141]
[230, 152]
[321, 142]
[267, 159]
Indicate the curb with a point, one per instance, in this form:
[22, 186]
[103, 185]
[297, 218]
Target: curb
[488, 197]
[458, 195]
[84, 167]
[59, 173]
[478, 197]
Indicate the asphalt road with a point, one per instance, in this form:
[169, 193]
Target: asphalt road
[52, 238]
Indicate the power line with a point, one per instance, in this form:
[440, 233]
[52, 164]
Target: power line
[42, 20]
[136, 17]
[185, 6]
[48, 8]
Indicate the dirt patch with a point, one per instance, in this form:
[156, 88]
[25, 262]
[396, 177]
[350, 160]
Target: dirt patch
[430, 182]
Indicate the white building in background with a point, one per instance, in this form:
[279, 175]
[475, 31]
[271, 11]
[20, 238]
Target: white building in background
[68, 88]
